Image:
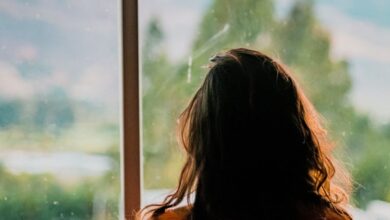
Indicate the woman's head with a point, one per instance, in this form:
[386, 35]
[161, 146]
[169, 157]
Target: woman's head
[254, 143]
